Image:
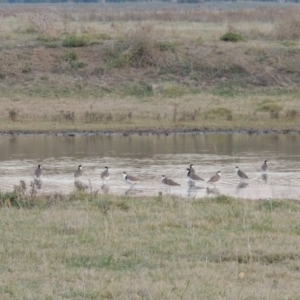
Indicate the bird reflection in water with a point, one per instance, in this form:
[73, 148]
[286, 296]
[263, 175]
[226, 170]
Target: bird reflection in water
[132, 191]
[242, 185]
[80, 186]
[193, 190]
[38, 183]
[264, 178]
[105, 188]
[213, 191]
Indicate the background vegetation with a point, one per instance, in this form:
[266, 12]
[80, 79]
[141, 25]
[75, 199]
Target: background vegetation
[74, 67]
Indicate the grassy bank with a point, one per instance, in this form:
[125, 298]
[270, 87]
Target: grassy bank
[96, 67]
[84, 246]
[202, 111]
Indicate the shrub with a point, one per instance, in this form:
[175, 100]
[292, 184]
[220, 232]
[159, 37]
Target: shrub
[76, 41]
[231, 37]
[141, 48]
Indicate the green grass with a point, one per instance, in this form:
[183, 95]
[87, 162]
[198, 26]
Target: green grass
[73, 41]
[70, 247]
[70, 55]
[269, 106]
[231, 37]
[138, 90]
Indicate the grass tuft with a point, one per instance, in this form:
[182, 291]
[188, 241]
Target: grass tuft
[69, 56]
[231, 37]
[141, 89]
[73, 41]
[220, 112]
[292, 114]
[13, 114]
[269, 106]
[173, 91]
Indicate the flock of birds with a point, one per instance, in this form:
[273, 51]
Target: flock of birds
[132, 180]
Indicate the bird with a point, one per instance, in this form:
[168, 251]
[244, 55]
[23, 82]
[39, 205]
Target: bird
[105, 174]
[38, 174]
[192, 176]
[131, 180]
[241, 174]
[264, 167]
[214, 179]
[78, 172]
[192, 168]
[168, 181]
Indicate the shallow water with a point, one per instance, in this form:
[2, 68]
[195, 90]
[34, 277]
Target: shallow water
[148, 157]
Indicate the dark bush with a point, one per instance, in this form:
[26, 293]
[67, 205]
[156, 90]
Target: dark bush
[231, 37]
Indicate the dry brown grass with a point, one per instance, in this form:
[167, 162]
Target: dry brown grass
[203, 12]
[183, 112]
[152, 248]
[126, 67]
[288, 28]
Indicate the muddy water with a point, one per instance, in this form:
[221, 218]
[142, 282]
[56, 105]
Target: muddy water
[148, 157]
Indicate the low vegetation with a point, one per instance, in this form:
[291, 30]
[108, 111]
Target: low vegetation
[96, 246]
[73, 41]
[231, 37]
[144, 61]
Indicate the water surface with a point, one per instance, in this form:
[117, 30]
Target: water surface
[148, 157]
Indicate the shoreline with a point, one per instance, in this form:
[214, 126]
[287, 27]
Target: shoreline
[73, 133]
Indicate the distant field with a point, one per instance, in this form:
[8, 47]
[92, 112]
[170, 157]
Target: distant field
[149, 66]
